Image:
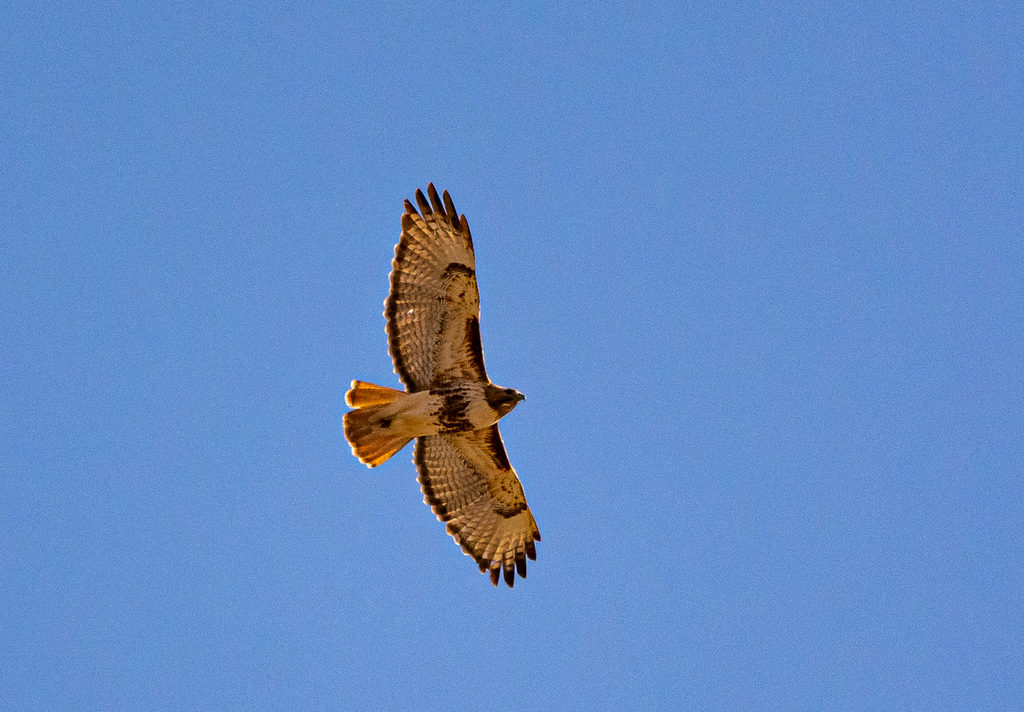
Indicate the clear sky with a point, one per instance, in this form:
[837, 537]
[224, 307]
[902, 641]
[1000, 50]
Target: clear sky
[758, 268]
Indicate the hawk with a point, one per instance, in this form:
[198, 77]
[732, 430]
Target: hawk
[449, 405]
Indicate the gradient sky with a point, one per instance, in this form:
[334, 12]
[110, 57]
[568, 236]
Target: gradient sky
[758, 268]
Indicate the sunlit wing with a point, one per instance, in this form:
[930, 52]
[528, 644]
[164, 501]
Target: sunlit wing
[433, 309]
[469, 483]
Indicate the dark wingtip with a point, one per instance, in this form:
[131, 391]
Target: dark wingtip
[434, 200]
[449, 206]
[521, 565]
[510, 575]
[409, 207]
[421, 200]
[494, 576]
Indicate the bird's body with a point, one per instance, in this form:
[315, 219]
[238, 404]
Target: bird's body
[385, 419]
[449, 405]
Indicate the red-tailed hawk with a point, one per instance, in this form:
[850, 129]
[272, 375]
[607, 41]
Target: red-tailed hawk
[449, 405]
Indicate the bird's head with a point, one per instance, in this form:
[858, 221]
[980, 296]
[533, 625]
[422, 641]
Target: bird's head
[503, 400]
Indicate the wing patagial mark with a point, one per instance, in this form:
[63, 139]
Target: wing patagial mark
[498, 448]
[476, 349]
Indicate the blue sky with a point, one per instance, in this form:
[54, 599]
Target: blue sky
[758, 268]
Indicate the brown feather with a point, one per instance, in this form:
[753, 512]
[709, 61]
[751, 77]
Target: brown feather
[365, 428]
[365, 394]
[468, 483]
[433, 297]
[371, 443]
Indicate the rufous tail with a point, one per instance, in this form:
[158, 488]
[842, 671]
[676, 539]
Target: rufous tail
[368, 427]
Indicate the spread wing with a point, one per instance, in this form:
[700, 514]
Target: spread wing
[433, 309]
[469, 483]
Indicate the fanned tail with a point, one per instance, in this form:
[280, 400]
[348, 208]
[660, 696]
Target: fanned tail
[368, 428]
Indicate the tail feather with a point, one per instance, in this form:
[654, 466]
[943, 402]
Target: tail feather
[365, 394]
[368, 428]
